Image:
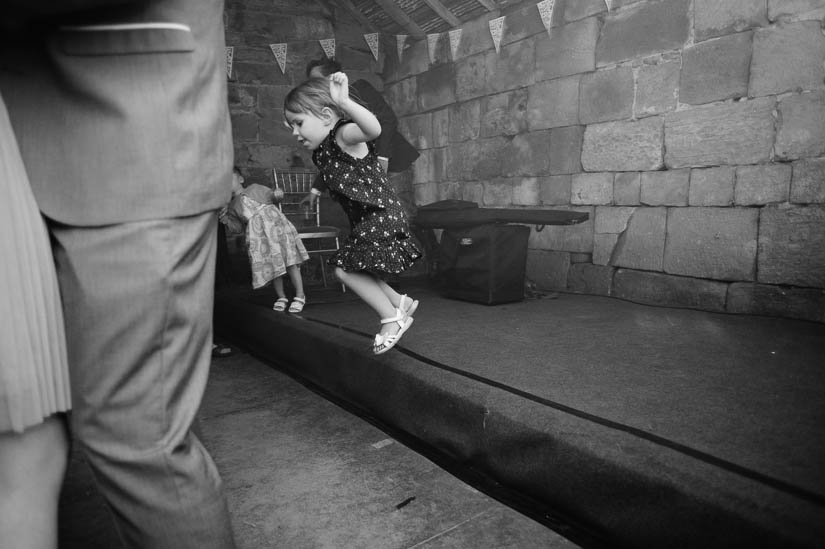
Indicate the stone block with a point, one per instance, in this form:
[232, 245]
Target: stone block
[579, 257]
[548, 269]
[472, 75]
[471, 160]
[808, 181]
[573, 11]
[612, 219]
[553, 103]
[245, 127]
[514, 66]
[415, 58]
[465, 121]
[425, 193]
[423, 168]
[402, 96]
[566, 150]
[526, 154]
[711, 186]
[475, 39]
[657, 86]
[504, 113]
[721, 134]
[801, 131]
[472, 191]
[555, 189]
[498, 193]
[567, 238]
[642, 244]
[627, 188]
[781, 301]
[624, 146]
[271, 130]
[716, 70]
[418, 130]
[520, 24]
[665, 188]
[628, 34]
[787, 58]
[669, 291]
[716, 243]
[436, 87]
[584, 278]
[441, 127]
[526, 191]
[792, 246]
[603, 246]
[570, 49]
[796, 9]
[244, 97]
[762, 184]
[591, 188]
[606, 95]
[714, 18]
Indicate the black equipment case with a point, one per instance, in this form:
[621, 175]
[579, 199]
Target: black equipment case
[484, 264]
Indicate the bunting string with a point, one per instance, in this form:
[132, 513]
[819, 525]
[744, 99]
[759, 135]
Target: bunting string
[496, 26]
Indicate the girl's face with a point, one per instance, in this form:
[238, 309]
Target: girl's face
[309, 129]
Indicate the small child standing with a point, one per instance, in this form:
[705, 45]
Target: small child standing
[273, 243]
[340, 132]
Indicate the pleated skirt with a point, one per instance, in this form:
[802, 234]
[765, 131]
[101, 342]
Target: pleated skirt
[34, 378]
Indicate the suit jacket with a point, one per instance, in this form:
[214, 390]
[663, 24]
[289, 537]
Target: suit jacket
[119, 107]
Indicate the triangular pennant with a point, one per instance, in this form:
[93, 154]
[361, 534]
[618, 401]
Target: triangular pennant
[546, 12]
[496, 30]
[609, 4]
[432, 42]
[455, 40]
[372, 42]
[230, 53]
[279, 51]
[329, 47]
[400, 40]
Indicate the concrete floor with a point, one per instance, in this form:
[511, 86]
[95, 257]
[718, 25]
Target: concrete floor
[300, 472]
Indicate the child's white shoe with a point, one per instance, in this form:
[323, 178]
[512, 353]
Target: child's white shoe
[385, 342]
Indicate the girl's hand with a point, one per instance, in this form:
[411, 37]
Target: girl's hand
[339, 88]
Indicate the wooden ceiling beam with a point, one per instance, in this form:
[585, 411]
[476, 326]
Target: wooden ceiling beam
[401, 18]
[444, 13]
[362, 20]
[489, 4]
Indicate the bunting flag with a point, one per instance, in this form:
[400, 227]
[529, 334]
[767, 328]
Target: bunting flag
[279, 51]
[432, 42]
[400, 40]
[372, 42]
[230, 53]
[546, 12]
[496, 30]
[609, 4]
[329, 47]
[455, 40]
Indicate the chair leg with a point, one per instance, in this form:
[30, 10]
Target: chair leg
[323, 269]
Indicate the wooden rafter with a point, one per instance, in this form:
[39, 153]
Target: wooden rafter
[444, 13]
[350, 7]
[489, 4]
[401, 18]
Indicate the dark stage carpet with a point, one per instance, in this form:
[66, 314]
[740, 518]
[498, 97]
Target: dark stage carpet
[617, 424]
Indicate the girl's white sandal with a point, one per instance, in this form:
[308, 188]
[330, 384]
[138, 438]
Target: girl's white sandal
[408, 305]
[385, 342]
[280, 304]
[297, 305]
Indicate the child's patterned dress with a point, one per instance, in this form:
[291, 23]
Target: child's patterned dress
[380, 240]
[272, 241]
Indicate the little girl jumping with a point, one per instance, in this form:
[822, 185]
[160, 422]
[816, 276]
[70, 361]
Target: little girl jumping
[272, 241]
[339, 131]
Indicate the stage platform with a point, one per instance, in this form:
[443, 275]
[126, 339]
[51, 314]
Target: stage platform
[614, 423]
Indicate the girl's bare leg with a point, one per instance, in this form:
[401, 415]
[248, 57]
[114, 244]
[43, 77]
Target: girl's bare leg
[32, 465]
[278, 283]
[368, 288]
[392, 295]
[294, 272]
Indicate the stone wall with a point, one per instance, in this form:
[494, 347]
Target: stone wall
[691, 131]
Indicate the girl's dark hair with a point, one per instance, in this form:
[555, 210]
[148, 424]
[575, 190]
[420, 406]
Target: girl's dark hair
[311, 96]
[327, 66]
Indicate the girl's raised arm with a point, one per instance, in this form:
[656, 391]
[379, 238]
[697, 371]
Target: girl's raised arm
[366, 127]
